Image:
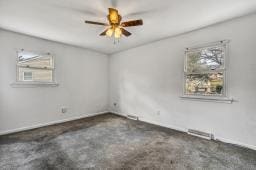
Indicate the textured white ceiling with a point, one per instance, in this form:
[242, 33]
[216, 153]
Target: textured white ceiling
[63, 20]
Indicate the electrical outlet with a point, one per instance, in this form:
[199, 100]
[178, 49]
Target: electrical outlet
[64, 110]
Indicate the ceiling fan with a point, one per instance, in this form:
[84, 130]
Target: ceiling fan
[115, 26]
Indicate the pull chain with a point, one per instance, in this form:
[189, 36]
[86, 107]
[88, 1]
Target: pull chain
[116, 41]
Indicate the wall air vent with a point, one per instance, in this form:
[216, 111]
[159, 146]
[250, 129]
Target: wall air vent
[132, 117]
[201, 134]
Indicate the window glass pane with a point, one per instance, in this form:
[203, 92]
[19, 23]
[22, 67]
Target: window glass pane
[27, 76]
[204, 84]
[25, 55]
[206, 59]
[28, 59]
[37, 75]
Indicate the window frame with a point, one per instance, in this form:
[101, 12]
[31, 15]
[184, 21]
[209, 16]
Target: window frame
[32, 83]
[222, 97]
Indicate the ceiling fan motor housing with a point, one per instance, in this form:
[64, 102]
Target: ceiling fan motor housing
[115, 27]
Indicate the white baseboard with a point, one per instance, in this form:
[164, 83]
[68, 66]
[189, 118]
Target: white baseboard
[151, 122]
[235, 143]
[50, 123]
[118, 114]
[186, 131]
[123, 115]
[167, 126]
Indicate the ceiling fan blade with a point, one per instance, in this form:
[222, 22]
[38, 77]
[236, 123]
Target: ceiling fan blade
[132, 23]
[125, 32]
[96, 23]
[104, 33]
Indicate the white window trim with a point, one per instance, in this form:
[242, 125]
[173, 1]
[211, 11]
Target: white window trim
[32, 84]
[208, 98]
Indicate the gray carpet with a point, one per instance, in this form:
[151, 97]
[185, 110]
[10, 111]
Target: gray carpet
[113, 142]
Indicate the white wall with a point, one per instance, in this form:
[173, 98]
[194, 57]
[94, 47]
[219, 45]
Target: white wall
[82, 76]
[143, 81]
[148, 79]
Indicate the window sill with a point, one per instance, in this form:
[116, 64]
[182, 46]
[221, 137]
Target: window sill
[209, 99]
[33, 84]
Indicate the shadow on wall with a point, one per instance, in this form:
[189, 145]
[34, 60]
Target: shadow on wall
[139, 96]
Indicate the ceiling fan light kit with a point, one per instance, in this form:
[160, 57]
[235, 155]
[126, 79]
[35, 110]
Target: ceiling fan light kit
[115, 28]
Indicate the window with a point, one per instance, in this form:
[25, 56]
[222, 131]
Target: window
[205, 71]
[32, 67]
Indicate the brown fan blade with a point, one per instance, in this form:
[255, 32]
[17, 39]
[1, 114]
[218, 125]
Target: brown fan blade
[132, 23]
[104, 33]
[125, 32]
[96, 23]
